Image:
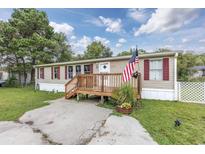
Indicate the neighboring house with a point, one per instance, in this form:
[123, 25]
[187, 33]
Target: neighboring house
[199, 71]
[159, 73]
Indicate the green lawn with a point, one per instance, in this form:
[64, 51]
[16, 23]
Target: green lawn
[158, 118]
[14, 102]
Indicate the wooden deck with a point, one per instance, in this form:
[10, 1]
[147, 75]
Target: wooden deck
[98, 84]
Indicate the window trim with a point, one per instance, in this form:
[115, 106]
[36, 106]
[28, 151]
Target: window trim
[150, 69]
[87, 72]
[41, 73]
[80, 72]
[68, 72]
[55, 78]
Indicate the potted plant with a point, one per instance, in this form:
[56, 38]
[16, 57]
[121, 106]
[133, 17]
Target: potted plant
[125, 108]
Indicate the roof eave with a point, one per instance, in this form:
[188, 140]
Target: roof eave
[148, 55]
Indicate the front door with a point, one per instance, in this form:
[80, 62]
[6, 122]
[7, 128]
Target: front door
[104, 67]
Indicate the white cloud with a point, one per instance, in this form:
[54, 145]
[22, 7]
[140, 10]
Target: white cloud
[185, 40]
[202, 41]
[73, 37]
[112, 25]
[122, 40]
[95, 21]
[168, 46]
[118, 45]
[102, 40]
[170, 39]
[138, 14]
[63, 28]
[167, 20]
[81, 44]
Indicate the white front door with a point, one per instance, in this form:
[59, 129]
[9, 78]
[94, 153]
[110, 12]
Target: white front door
[104, 67]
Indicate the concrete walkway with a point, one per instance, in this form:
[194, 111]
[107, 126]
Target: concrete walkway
[70, 122]
[123, 130]
[15, 133]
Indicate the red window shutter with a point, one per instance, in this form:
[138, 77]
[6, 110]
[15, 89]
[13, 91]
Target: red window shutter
[37, 73]
[66, 72]
[91, 68]
[51, 72]
[43, 73]
[59, 72]
[165, 68]
[146, 69]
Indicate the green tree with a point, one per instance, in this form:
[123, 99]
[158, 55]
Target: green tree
[184, 64]
[97, 50]
[29, 38]
[125, 53]
[163, 50]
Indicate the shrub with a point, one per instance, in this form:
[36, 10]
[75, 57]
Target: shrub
[197, 79]
[125, 94]
[12, 82]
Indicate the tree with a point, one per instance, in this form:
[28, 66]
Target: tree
[62, 48]
[163, 50]
[97, 50]
[125, 53]
[29, 38]
[185, 62]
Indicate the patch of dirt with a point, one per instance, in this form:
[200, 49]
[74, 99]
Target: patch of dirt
[29, 122]
[45, 137]
[50, 122]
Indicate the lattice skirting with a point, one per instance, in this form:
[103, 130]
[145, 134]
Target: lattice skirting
[191, 92]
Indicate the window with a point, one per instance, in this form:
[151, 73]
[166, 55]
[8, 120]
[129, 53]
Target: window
[56, 72]
[156, 70]
[42, 73]
[78, 69]
[87, 69]
[70, 72]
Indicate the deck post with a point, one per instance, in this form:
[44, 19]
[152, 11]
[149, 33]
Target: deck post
[102, 86]
[78, 98]
[102, 99]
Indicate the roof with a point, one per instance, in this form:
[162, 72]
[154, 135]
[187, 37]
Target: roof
[147, 55]
[198, 68]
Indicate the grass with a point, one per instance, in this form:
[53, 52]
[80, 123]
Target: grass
[158, 118]
[14, 102]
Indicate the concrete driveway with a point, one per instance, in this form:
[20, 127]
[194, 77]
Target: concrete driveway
[70, 122]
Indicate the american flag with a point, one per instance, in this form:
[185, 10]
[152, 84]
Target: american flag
[130, 67]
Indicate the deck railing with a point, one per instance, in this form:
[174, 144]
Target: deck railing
[101, 84]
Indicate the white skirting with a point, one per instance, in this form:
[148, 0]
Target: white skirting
[147, 93]
[161, 94]
[51, 87]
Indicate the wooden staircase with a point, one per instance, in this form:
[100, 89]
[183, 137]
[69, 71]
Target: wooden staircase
[71, 88]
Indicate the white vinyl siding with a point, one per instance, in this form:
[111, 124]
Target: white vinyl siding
[156, 70]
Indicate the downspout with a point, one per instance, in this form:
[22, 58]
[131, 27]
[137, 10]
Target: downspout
[175, 77]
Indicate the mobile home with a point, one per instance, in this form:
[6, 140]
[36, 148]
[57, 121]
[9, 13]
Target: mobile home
[158, 73]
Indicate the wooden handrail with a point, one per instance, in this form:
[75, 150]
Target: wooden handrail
[70, 80]
[100, 74]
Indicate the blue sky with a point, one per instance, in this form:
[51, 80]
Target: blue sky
[122, 29]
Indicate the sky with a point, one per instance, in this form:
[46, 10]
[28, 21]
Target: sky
[122, 29]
